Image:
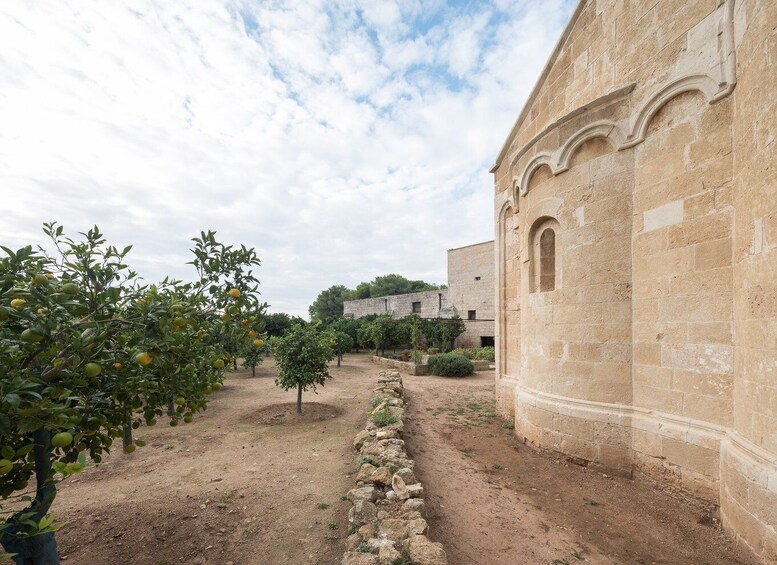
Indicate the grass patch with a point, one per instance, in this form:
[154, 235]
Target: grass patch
[322, 505]
[332, 525]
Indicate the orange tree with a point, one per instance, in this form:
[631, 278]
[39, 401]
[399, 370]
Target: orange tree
[88, 353]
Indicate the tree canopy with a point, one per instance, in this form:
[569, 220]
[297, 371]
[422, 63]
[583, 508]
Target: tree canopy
[328, 306]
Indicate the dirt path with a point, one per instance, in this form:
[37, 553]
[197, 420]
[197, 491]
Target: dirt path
[244, 483]
[494, 501]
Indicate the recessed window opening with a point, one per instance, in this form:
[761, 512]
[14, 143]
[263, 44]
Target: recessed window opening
[477, 278]
[472, 315]
[416, 307]
[547, 260]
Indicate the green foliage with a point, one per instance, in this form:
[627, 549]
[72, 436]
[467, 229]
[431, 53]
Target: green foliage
[343, 342]
[302, 358]
[393, 284]
[328, 306]
[476, 353]
[443, 331]
[367, 459]
[278, 323]
[383, 418]
[448, 365]
[88, 353]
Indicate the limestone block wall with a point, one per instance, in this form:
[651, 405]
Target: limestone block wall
[635, 206]
[434, 303]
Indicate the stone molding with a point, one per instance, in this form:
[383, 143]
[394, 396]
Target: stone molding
[689, 430]
[632, 131]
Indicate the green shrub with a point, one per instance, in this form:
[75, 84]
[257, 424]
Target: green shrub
[476, 353]
[450, 365]
[383, 418]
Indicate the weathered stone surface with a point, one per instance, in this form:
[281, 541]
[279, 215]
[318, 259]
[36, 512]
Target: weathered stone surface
[415, 491]
[365, 472]
[417, 527]
[386, 434]
[368, 493]
[362, 512]
[353, 541]
[360, 438]
[387, 554]
[414, 505]
[381, 476]
[393, 528]
[399, 487]
[407, 475]
[359, 558]
[391, 495]
[367, 531]
[423, 551]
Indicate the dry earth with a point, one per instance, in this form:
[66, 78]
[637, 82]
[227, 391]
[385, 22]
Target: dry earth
[245, 483]
[494, 501]
[248, 482]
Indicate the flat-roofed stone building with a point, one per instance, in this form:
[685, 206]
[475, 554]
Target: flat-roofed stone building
[636, 244]
[470, 295]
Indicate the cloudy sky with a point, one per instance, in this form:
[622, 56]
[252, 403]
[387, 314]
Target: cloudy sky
[343, 139]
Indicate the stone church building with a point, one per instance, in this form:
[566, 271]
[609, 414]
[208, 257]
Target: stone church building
[636, 252]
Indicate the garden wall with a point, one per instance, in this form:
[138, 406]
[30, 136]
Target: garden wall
[386, 521]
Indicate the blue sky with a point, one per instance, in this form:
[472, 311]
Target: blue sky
[341, 139]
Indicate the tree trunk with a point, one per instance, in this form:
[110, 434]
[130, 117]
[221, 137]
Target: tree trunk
[383, 349]
[170, 408]
[234, 362]
[253, 370]
[40, 549]
[339, 358]
[299, 399]
[126, 438]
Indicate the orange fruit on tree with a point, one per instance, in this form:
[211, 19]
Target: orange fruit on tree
[143, 358]
[234, 292]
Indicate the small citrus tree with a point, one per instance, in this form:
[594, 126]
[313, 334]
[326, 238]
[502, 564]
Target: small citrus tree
[87, 354]
[302, 358]
[343, 343]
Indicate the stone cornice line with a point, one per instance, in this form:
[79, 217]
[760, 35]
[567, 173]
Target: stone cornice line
[632, 131]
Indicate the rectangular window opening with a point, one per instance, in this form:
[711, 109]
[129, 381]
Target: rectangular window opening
[472, 315]
[416, 307]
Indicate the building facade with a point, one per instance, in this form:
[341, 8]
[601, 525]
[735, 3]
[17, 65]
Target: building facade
[636, 252]
[470, 295]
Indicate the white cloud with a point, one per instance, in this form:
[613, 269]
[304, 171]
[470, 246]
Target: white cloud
[341, 139]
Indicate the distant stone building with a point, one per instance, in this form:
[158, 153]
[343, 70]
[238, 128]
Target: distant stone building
[470, 294]
[636, 243]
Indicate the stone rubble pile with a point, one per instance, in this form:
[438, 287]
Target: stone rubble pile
[386, 521]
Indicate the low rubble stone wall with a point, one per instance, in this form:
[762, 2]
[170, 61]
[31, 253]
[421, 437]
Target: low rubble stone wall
[404, 366]
[387, 524]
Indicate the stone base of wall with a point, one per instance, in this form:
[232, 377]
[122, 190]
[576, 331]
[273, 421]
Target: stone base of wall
[386, 520]
[691, 458]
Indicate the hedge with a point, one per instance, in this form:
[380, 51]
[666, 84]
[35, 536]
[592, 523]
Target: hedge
[449, 365]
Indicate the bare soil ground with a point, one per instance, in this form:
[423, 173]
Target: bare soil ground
[248, 482]
[492, 500]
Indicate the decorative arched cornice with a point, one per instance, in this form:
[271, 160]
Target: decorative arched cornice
[604, 129]
[508, 204]
[538, 161]
[640, 122]
[715, 83]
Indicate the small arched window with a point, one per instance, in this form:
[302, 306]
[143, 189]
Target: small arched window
[547, 260]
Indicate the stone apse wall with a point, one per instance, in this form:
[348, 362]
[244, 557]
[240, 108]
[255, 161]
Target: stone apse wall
[636, 252]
